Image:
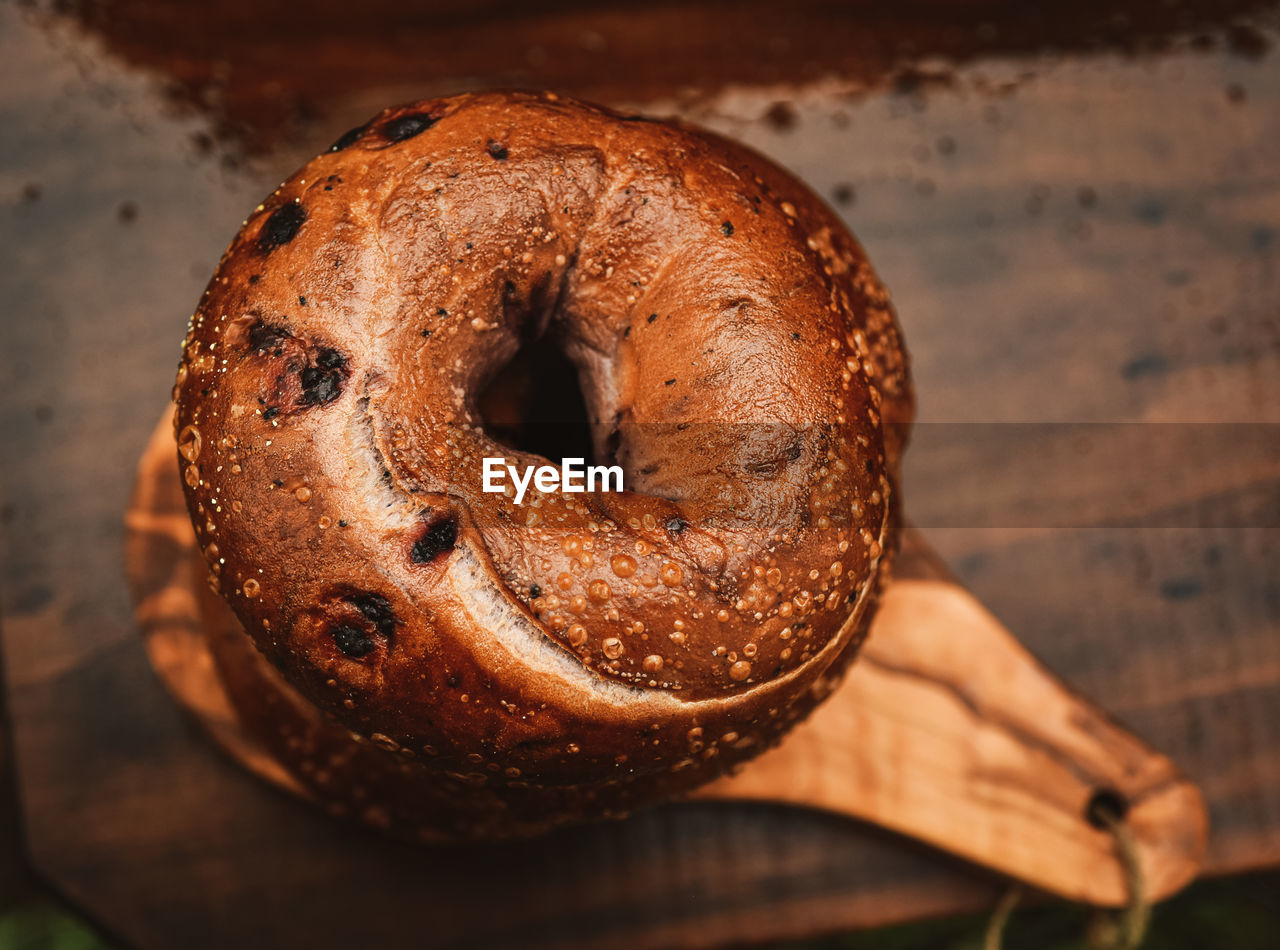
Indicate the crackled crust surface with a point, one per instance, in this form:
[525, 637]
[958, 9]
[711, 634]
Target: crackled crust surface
[576, 654]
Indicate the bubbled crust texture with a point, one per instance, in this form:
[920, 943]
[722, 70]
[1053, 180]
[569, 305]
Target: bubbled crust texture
[578, 654]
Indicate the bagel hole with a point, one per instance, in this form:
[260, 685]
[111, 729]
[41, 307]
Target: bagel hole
[535, 404]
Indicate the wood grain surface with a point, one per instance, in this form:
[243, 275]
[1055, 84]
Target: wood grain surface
[1085, 250]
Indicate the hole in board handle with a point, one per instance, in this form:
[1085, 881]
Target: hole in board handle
[1105, 804]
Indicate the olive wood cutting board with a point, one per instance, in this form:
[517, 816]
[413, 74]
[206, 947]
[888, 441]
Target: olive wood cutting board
[946, 729]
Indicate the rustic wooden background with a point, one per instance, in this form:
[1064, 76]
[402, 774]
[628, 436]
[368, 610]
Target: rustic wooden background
[1084, 244]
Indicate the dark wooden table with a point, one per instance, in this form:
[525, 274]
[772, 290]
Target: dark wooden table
[1085, 249]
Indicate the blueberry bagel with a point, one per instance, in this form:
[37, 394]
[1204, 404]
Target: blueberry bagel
[492, 666]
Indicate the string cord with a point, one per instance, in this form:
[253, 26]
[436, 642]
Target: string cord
[994, 937]
[1136, 916]
[1126, 933]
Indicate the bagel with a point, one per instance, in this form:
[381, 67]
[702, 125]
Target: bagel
[445, 661]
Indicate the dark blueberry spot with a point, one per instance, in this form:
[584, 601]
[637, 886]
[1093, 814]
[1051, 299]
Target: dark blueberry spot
[441, 312]
[868, 465]
[669, 382]
[254, 278]
[426, 333]
[352, 642]
[407, 126]
[263, 337]
[676, 525]
[439, 537]
[349, 138]
[377, 610]
[278, 482]
[330, 358]
[302, 301]
[626, 333]
[795, 336]
[652, 317]
[269, 414]
[496, 150]
[535, 591]
[281, 226]
[727, 228]
[452, 681]
[342, 522]
[320, 386]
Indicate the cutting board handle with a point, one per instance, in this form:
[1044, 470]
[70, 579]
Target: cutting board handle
[947, 730]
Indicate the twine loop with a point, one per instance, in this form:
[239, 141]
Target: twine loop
[1124, 931]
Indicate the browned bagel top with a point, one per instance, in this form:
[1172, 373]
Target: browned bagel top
[737, 356]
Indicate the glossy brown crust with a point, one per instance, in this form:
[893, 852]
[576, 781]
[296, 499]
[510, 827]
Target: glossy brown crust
[578, 653]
